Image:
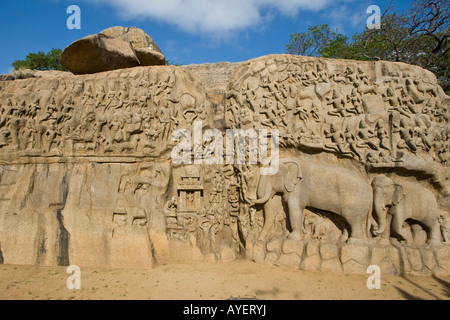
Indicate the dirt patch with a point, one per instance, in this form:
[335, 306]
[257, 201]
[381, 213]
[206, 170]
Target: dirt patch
[211, 281]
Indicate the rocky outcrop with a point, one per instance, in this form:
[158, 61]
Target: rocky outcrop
[137, 37]
[98, 53]
[27, 73]
[103, 169]
[147, 51]
[112, 49]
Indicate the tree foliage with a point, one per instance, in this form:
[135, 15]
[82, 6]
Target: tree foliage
[418, 36]
[41, 61]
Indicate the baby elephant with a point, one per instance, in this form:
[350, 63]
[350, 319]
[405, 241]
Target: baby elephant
[404, 201]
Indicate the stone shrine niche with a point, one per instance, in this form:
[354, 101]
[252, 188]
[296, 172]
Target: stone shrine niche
[190, 191]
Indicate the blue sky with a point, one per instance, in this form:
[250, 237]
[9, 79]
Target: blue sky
[187, 31]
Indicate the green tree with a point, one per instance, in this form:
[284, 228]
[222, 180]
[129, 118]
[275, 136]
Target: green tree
[312, 42]
[41, 61]
[419, 36]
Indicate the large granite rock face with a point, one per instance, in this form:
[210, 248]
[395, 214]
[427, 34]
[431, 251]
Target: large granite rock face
[98, 53]
[90, 172]
[147, 51]
[112, 49]
[137, 37]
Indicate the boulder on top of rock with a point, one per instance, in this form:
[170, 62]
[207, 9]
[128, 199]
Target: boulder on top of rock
[137, 37]
[147, 51]
[98, 53]
[111, 49]
[148, 57]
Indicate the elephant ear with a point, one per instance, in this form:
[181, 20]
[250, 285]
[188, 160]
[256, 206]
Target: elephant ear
[292, 176]
[398, 195]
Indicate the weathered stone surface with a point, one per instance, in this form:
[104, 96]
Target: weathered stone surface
[356, 253]
[414, 258]
[329, 251]
[378, 254]
[215, 76]
[147, 51]
[443, 257]
[112, 49]
[289, 260]
[259, 253]
[148, 57]
[137, 37]
[274, 246]
[90, 168]
[271, 258]
[312, 248]
[98, 53]
[398, 257]
[290, 246]
[227, 255]
[311, 263]
[352, 266]
[428, 259]
[331, 265]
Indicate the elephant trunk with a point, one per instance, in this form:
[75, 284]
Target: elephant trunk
[380, 210]
[266, 188]
[263, 199]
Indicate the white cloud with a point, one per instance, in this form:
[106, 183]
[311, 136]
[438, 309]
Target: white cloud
[216, 18]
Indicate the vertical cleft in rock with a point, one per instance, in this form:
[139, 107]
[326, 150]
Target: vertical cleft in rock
[63, 235]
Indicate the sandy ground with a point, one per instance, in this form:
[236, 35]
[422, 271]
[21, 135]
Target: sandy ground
[211, 281]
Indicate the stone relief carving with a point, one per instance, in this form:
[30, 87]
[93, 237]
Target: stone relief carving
[133, 114]
[344, 128]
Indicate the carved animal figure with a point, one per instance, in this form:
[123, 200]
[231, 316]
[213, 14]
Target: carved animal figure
[310, 184]
[363, 89]
[130, 145]
[424, 88]
[395, 202]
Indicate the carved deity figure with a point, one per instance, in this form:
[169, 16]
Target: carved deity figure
[338, 105]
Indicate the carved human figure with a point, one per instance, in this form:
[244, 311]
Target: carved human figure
[315, 112]
[337, 138]
[168, 120]
[100, 97]
[122, 97]
[362, 76]
[33, 108]
[421, 132]
[50, 111]
[444, 222]
[28, 139]
[338, 105]
[356, 103]
[271, 113]
[87, 96]
[115, 129]
[350, 75]
[407, 103]
[383, 135]
[441, 147]
[367, 136]
[350, 138]
[51, 135]
[322, 75]
[406, 136]
[4, 134]
[301, 111]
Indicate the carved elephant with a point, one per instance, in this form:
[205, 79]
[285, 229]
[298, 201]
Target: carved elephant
[395, 202]
[316, 185]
